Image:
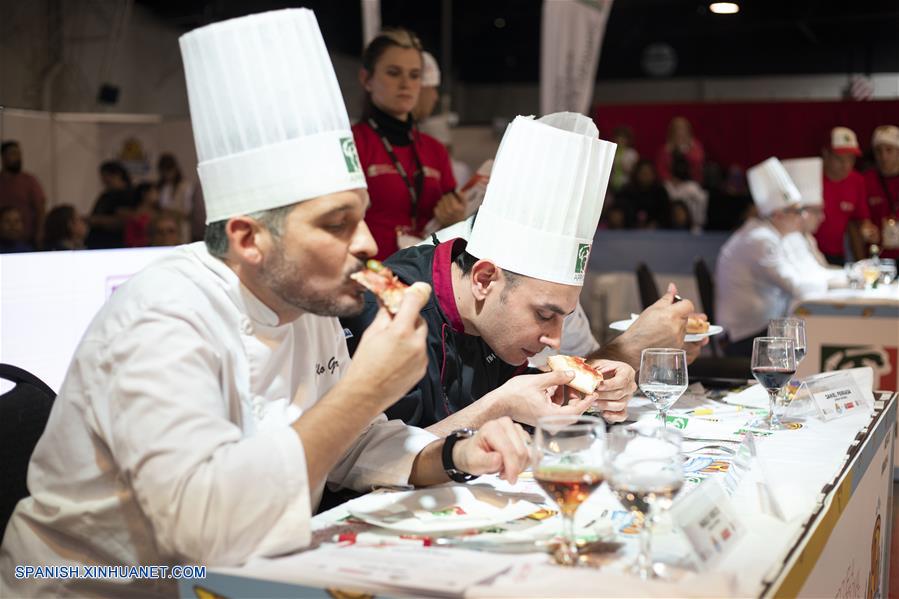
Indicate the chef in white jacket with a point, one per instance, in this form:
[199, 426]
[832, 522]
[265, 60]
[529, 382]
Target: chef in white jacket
[807, 174]
[212, 397]
[756, 276]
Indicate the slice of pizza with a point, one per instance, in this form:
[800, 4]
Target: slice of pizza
[381, 281]
[586, 378]
[696, 325]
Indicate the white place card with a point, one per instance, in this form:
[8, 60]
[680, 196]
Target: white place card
[835, 394]
[709, 521]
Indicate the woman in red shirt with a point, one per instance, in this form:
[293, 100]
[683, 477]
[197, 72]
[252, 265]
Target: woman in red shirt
[410, 179]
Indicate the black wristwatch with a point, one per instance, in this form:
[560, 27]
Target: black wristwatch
[448, 465]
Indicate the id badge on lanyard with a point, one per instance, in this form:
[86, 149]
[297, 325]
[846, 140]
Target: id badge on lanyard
[890, 233]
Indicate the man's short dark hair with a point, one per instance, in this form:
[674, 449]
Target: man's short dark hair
[10, 143]
[272, 219]
[466, 262]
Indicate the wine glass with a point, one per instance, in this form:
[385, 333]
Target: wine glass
[645, 471]
[663, 377]
[791, 328]
[568, 464]
[773, 365]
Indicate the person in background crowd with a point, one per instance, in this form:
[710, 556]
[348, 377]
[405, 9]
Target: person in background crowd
[729, 201]
[844, 195]
[682, 188]
[137, 222]
[680, 139]
[165, 229]
[625, 158]
[882, 184]
[21, 190]
[64, 229]
[409, 174]
[12, 231]
[680, 219]
[644, 200]
[107, 219]
[175, 192]
[756, 277]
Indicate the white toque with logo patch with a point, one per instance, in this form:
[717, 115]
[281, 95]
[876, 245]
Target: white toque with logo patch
[771, 187]
[808, 175]
[544, 198]
[268, 118]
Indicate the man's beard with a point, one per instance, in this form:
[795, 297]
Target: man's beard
[13, 167]
[280, 276]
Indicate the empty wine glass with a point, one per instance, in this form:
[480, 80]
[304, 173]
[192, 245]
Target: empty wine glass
[663, 377]
[645, 471]
[568, 463]
[791, 328]
[773, 365]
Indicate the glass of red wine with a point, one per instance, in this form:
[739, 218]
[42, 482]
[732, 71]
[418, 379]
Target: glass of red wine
[568, 463]
[773, 365]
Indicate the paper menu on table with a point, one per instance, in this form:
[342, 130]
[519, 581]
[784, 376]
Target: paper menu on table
[395, 570]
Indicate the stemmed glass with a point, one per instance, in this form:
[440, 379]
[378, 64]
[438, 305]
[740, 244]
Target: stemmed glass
[645, 471]
[663, 377]
[791, 328]
[568, 464]
[773, 365]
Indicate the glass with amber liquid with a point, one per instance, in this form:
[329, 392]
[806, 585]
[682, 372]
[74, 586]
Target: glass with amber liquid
[568, 465]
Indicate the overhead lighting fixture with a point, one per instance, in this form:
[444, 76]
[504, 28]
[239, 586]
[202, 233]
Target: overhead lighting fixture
[724, 8]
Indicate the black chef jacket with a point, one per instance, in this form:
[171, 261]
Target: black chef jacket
[461, 368]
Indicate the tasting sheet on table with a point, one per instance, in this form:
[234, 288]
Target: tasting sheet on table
[775, 497]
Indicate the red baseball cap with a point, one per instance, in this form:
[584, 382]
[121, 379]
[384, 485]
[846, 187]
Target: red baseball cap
[844, 141]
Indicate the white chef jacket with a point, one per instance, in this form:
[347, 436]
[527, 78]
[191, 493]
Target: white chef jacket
[170, 441]
[756, 278]
[577, 338]
[804, 252]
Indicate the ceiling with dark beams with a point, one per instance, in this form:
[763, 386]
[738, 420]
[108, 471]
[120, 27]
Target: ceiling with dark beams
[499, 40]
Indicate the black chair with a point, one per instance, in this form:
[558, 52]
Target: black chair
[649, 293]
[24, 411]
[706, 285]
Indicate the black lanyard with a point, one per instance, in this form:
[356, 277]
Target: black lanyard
[414, 190]
[886, 192]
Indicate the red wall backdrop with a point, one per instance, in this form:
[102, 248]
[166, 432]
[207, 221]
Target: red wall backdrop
[746, 133]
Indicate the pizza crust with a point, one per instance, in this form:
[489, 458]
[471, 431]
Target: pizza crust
[586, 378]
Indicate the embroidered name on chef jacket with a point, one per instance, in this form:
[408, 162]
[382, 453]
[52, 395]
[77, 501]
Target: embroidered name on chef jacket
[333, 365]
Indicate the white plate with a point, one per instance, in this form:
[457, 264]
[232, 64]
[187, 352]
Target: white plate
[714, 329]
[443, 509]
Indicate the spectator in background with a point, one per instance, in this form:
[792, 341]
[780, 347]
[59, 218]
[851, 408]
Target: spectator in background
[644, 200]
[21, 190]
[107, 219]
[729, 201]
[175, 192]
[882, 184]
[680, 219]
[12, 231]
[137, 223]
[626, 158]
[844, 195]
[681, 187]
[165, 229]
[680, 139]
[64, 229]
[409, 174]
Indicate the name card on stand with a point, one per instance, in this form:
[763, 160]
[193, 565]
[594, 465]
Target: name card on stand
[835, 394]
[709, 521]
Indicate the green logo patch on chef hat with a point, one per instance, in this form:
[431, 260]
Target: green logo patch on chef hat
[348, 147]
[583, 253]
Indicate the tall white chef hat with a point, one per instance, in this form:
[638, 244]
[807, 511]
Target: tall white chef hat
[268, 119]
[430, 71]
[544, 198]
[807, 174]
[771, 187]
